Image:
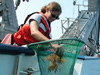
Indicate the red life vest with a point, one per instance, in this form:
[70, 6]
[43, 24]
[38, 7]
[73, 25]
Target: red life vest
[23, 36]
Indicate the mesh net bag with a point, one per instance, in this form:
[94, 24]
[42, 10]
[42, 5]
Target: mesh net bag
[71, 49]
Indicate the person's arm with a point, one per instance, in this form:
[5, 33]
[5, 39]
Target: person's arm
[34, 27]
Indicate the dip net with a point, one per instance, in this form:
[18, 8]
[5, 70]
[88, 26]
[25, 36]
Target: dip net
[65, 66]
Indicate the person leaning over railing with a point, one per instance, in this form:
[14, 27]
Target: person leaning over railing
[37, 27]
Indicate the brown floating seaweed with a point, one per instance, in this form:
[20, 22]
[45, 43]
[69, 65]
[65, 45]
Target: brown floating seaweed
[55, 61]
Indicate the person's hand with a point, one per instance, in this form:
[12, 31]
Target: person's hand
[58, 49]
